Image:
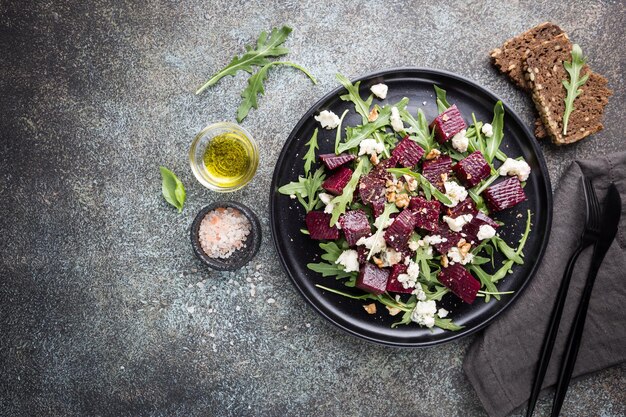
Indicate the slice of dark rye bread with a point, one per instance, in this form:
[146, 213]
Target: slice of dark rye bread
[509, 58]
[544, 72]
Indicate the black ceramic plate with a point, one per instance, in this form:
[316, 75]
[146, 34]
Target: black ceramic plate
[296, 249]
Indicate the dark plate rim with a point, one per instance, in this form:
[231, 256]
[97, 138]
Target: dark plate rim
[548, 191]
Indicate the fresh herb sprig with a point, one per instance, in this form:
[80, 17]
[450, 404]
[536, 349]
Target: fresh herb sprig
[172, 189]
[572, 86]
[341, 201]
[306, 189]
[309, 157]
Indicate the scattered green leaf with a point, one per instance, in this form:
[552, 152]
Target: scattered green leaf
[338, 135]
[494, 142]
[309, 157]
[442, 102]
[172, 189]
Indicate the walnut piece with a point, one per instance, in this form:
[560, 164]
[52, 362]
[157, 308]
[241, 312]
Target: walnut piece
[370, 308]
[434, 153]
[402, 200]
[373, 115]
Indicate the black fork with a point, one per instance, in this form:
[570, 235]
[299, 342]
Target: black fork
[589, 236]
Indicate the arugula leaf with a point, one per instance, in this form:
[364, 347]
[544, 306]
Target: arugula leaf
[501, 273]
[572, 86]
[447, 324]
[345, 294]
[329, 270]
[485, 280]
[482, 186]
[419, 127]
[341, 201]
[309, 157]
[333, 251]
[361, 106]
[382, 219]
[338, 135]
[266, 46]
[442, 102]
[494, 142]
[426, 185]
[522, 241]
[305, 188]
[172, 189]
[255, 87]
[507, 251]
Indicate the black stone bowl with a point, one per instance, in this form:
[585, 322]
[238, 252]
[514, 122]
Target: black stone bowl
[241, 256]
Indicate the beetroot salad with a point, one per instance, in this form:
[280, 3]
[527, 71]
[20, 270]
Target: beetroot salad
[405, 209]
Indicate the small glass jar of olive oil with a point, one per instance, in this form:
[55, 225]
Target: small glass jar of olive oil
[224, 157]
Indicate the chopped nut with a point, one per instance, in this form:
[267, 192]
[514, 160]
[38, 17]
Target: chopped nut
[461, 243]
[370, 308]
[374, 159]
[411, 183]
[444, 261]
[434, 153]
[465, 248]
[402, 200]
[373, 114]
[445, 117]
[379, 262]
[393, 310]
[389, 183]
[391, 196]
[444, 177]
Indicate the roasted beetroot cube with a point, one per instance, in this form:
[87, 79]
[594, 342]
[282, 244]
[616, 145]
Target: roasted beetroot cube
[472, 169]
[433, 170]
[318, 225]
[372, 190]
[372, 279]
[355, 226]
[333, 161]
[426, 213]
[505, 194]
[460, 282]
[397, 235]
[466, 206]
[336, 182]
[451, 239]
[408, 153]
[471, 229]
[388, 163]
[448, 124]
[393, 285]
[362, 253]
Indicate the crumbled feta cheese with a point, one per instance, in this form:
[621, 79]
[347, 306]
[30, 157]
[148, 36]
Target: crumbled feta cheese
[460, 141]
[434, 240]
[373, 244]
[371, 147]
[413, 270]
[409, 279]
[455, 192]
[390, 257]
[424, 313]
[456, 256]
[515, 167]
[395, 120]
[485, 232]
[329, 208]
[415, 245]
[292, 196]
[457, 223]
[442, 313]
[419, 292]
[349, 259]
[487, 130]
[379, 90]
[325, 197]
[328, 119]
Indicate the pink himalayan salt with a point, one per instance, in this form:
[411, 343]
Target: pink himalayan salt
[223, 231]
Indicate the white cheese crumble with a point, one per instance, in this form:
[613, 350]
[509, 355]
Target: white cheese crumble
[396, 121]
[515, 167]
[373, 244]
[379, 90]
[455, 192]
[487, 130]
[370, 147]
[328, 119]
[349, 259]
[442, 313]
[485, 232]
[292, 196]
[325, 197]
[457, 223]
[434, 239]
[456, 256]
[419, 292]
[460, 142]
[329, 209]
[424, 313]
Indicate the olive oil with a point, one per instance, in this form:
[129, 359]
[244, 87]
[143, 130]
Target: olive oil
[227, 159]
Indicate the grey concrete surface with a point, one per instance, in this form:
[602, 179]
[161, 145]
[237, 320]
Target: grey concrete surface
[105, 311]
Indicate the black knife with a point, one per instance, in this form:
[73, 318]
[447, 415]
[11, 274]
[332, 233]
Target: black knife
[610, 223]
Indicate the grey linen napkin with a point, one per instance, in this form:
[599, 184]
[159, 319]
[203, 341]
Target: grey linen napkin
[501, 362]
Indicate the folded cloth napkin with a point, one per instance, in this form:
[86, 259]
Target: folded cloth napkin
[501, 362]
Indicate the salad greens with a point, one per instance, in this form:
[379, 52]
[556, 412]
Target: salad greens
[486, 260]
[572, 86]
[267, 46]
[172, 189]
